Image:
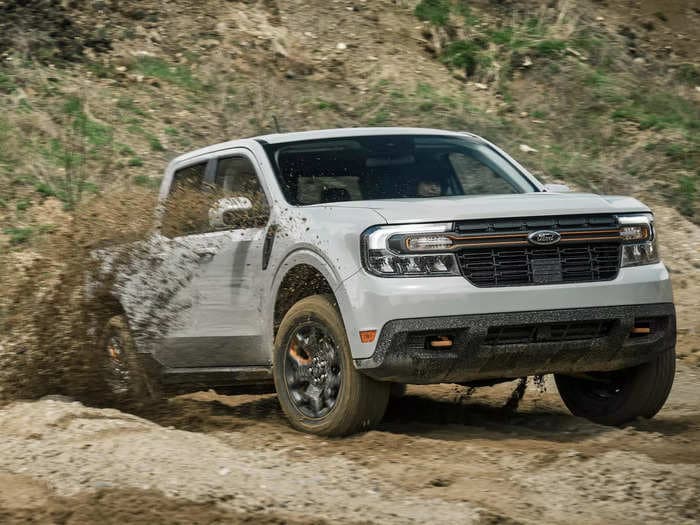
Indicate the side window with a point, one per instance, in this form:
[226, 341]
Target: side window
[236, 177]
[187, 205]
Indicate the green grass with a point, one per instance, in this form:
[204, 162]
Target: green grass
[686, 73]
[687, 195]
[67, 191]
[325, 104]
[95, 133]
[434, 11]
[462, 54]
[18, 235]
[128, 104]
[657, 110]
[550, 48]
[379, 118]
[179, 75]
[135, 161]
[155, 143]
[146, 181]
[100, 70]
[23, 204]
[7, 151]
[7, 84]
[123, 149]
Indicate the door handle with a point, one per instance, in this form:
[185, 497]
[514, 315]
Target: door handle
[267, 245]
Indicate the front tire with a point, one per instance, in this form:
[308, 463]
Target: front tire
[618, 397]
[319, 389]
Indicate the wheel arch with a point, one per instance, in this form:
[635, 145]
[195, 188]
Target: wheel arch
[302, 273]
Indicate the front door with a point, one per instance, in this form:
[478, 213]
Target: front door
[220, 324]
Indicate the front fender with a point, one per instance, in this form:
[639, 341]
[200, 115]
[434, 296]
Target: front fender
[300, 256]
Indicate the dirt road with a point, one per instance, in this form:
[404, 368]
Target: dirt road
[440, 457]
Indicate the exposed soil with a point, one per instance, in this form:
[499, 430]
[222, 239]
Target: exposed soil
[440, 457]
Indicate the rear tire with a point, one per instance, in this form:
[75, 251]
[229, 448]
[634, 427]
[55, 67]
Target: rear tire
[319, 389]
[618, 397]
[123, 374]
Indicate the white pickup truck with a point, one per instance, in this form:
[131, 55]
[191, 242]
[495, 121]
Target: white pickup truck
[337, 264]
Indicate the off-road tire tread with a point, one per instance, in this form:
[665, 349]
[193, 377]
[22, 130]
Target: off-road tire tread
[650, 385]
[363, 400]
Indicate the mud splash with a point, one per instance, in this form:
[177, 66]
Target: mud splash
[49, 318]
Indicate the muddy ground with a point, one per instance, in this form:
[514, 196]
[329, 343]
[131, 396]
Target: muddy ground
[440, 457]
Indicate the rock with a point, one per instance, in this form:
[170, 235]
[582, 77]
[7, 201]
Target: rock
[341, 46]
[58, 398]
[527, 61]
[526, 149]
[575, 53]
[479, 85]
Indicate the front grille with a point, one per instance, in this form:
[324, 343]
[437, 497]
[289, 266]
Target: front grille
[547, 333]
[540, 265]
[497, 252]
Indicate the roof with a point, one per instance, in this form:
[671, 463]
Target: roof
[277, 138]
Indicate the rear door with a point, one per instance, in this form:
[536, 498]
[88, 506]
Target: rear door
[222, 325]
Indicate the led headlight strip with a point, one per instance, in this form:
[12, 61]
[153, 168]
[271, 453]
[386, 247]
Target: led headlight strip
[383, 254]
[638, 240]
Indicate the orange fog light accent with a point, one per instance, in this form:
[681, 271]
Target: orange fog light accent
[441, 341]
[367, 336]
[641, 330]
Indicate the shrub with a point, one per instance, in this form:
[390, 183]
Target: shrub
[462, 54]
[434, 11]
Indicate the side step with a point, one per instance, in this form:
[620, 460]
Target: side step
[213, 377]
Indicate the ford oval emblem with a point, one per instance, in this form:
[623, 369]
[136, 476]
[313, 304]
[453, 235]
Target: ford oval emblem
[544, 237]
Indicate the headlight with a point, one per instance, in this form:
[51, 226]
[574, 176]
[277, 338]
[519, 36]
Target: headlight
[409, 250]
[638, 240]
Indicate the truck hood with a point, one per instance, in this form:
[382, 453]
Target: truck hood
[494, 206]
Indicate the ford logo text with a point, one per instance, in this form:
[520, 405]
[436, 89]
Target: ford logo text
[544, 237]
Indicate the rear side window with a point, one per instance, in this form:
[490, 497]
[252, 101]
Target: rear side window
[187, 205]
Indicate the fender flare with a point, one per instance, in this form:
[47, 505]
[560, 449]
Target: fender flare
[301, 256]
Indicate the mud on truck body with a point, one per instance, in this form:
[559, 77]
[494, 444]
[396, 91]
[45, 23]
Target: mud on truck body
[337, 264]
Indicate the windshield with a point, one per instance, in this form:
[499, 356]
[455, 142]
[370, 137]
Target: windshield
[391, 167]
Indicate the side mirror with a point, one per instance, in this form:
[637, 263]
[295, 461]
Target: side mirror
[228, 212]
[556, 188]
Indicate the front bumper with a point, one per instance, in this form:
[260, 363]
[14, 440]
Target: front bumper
[518, 344]
[368, 302]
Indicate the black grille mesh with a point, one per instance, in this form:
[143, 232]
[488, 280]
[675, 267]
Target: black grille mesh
[511, 266]
[547, 333]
